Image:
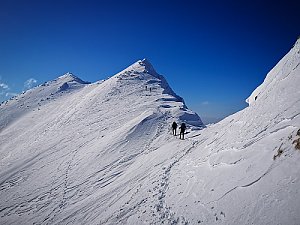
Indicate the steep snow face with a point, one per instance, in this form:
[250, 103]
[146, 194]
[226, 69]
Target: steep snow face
[142, 76]
[68, 147]
[144, 70]
[285, 68]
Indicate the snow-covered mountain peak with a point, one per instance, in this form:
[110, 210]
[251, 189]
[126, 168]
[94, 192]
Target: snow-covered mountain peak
[69, 77]
[140, 67]
[141, 79]
[144, 73]
[147, 66]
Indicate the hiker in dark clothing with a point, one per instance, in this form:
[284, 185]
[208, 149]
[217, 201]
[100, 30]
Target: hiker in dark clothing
[182, 130]
[174, 127]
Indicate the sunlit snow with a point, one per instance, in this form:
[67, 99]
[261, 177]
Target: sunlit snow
[103, 153]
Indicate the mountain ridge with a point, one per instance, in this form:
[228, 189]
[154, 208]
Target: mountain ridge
[103, 153]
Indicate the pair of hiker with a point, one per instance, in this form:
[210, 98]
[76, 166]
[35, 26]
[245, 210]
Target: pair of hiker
[150, 89]
[182, 129]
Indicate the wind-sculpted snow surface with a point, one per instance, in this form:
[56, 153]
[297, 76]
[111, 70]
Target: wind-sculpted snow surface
[103, 153]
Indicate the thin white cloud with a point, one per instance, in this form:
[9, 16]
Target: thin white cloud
[205, 103]
[30, 83]
[10, 94]
[4, 86]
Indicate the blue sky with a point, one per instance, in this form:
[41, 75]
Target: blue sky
[213, 53]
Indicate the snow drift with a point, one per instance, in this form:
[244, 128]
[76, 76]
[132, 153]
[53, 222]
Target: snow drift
[103, 153]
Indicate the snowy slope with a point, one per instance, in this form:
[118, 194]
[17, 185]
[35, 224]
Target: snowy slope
[66, 146]
[36, 97]
[103, 153]
[231, 175]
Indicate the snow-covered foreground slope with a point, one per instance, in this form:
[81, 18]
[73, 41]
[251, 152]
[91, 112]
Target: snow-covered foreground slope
[103, 153]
